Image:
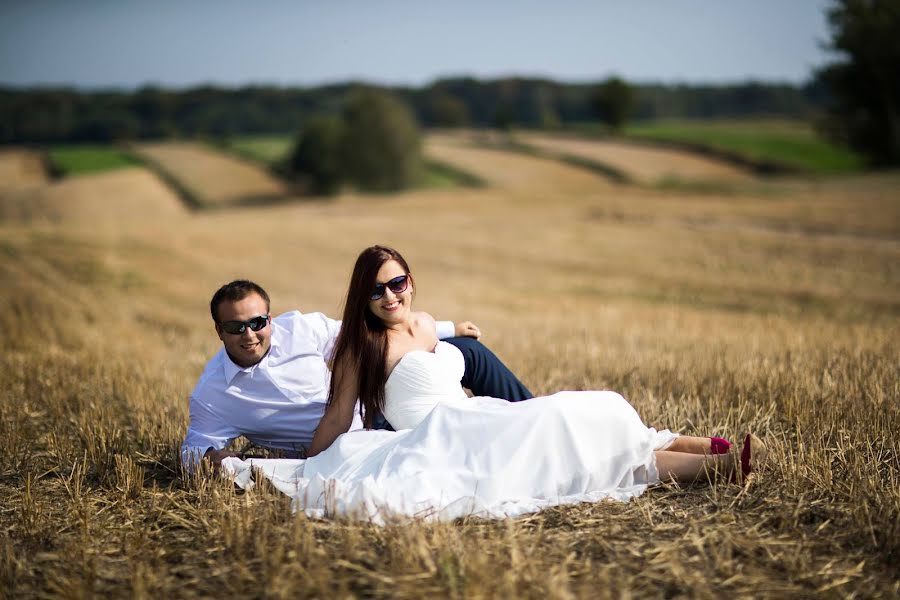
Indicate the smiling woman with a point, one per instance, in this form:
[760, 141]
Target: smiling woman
[472, 455]
[391, 300]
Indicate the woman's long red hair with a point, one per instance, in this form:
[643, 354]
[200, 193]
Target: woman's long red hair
[362, 342]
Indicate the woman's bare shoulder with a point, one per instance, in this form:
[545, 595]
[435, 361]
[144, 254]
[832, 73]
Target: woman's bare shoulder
[423, 316]
[424, 320]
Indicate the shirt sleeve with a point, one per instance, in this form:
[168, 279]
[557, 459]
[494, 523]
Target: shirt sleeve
[205, 431]
[328, 330]
[445, 329]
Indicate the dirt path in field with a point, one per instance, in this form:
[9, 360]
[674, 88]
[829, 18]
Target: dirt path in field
[641, 163]
[510, 170]
[213, 177]
[21, 169]
[129, 195]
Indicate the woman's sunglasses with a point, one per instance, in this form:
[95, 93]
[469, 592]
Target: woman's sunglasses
[397, 285]
[239, 327]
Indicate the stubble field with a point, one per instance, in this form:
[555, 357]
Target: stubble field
[773, 308]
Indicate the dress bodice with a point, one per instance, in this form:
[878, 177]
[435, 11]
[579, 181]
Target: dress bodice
[421, 381]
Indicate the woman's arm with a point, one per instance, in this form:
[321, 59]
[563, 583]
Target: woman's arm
[339, 414]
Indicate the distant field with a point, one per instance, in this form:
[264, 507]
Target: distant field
[110, 199]
[269, 149]
[77, 159]
[638, 162]
[792, 143]
[209, 177]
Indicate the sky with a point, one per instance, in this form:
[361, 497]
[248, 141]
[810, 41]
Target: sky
[127, 43]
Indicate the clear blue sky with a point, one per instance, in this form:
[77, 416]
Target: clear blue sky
[125, 43]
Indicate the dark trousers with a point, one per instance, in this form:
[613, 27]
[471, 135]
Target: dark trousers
[485, 375]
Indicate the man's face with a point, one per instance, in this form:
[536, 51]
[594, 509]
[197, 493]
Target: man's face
[248, 348]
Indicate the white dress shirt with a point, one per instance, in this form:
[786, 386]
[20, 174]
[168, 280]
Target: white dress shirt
[276, 403]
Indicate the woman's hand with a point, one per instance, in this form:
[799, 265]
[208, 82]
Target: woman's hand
[215, 457]
[467, 329]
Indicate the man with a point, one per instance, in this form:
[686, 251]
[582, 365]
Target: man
[270, 380]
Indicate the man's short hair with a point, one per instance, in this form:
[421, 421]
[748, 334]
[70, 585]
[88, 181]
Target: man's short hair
[234, 291]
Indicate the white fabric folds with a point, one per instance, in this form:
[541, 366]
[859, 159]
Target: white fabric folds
[471, 456]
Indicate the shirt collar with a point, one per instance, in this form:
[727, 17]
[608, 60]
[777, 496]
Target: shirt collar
[232, 369]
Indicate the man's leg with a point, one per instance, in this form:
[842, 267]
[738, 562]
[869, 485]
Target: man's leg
[485, 374]
[379, 422]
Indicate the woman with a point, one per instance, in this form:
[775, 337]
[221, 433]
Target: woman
[486, 454]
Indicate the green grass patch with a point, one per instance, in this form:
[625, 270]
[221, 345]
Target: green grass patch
[794, 144]
[80, 159]
[441, 175]
[266, 149]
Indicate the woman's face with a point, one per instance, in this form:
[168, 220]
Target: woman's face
[394, 306]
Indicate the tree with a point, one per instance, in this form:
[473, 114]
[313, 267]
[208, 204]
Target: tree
[865, 81]
[445, 110]
[374, 144]
[106, 126]
[380, 146]
[316, 155]
[613, 101]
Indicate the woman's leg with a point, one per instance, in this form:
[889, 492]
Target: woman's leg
[686, 467]
[699, 445]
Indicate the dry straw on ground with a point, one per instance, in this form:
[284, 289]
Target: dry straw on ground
[776, 311]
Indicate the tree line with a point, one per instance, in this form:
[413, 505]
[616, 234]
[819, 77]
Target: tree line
[856, 100]
[68, 115]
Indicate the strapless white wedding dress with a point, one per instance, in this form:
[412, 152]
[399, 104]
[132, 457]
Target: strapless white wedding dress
[455, 456]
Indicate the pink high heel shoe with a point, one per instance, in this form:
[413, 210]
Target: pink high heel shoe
[753, 455]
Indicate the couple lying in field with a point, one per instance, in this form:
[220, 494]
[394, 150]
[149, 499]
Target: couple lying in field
[389, 430]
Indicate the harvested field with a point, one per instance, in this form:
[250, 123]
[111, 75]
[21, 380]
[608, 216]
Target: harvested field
[777, 311]
[114, 199]
[641, 163]
[211, 177]
[21, 169]
[511, 171]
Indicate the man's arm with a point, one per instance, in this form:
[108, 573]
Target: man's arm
[207, 436]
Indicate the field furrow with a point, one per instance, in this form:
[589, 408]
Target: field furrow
[511, 171]
[641, 163]
[211, 177]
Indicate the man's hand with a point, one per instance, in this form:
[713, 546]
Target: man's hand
[215, 457]
[467, 329]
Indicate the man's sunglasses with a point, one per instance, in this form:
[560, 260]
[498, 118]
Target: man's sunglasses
[239, 327]
[397, 285]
